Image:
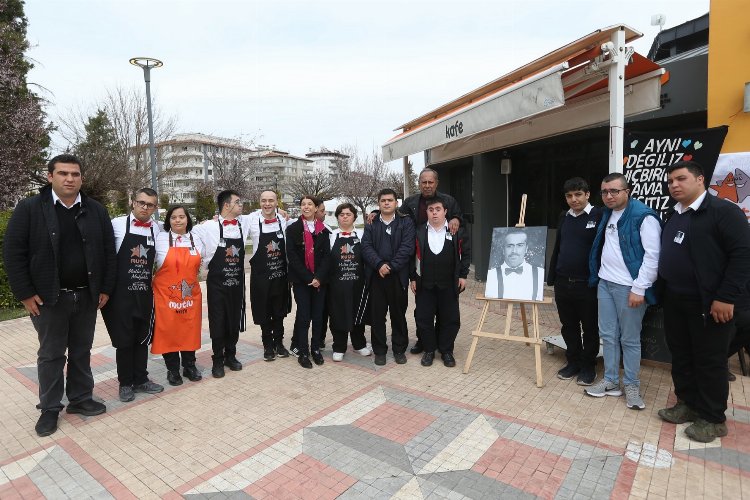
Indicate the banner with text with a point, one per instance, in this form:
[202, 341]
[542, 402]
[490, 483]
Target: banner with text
[730, 180]
[648, 154]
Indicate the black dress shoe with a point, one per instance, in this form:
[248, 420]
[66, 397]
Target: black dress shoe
[192, 373]
[380, 359]
[269, 354]
[88, 408]
[47, 423]
[317, 357]
[173, 377]
[399, 357]
[233, 363]
[417, 349]
[304, 361]
[217, 370]
[427, 358]
[448, 359]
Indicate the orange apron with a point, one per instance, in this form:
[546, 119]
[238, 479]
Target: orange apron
[178, 302]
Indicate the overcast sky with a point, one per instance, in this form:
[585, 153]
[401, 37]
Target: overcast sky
[305, 74]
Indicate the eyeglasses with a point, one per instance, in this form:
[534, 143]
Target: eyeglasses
[611, 192]
[146, 205]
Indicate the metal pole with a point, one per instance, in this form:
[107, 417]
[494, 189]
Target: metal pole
[152, 147]
[617, 101]
[406, 177]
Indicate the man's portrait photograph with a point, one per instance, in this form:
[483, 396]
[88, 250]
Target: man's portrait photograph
[516, 268]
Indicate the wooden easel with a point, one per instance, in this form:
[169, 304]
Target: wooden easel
[534, 340]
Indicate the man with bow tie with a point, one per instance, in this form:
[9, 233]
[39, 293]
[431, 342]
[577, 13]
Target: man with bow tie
[270, 296]
[224, 240]
[128, 312]
[515, 278]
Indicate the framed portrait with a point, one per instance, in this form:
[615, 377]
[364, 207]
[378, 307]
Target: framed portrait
[516, 268]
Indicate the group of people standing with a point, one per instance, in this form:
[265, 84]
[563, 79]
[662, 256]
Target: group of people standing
[66, 259]
[609, 264]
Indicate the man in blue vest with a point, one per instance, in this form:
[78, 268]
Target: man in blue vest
[624, 260]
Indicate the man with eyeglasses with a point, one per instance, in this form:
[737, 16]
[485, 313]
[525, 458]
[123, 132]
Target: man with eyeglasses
[225, 239]
[60, 258]
[624, 260]
[128, 312]
[705, 265]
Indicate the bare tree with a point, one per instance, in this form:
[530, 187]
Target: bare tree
[319, 183]
[361, 177]
[127, 113]
[237, 166]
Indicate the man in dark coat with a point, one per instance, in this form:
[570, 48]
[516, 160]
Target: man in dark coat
[387, 246]
[705, 265]
[59, 254]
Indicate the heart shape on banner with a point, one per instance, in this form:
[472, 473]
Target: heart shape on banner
[687, 157]
[686, 143]
[698, 145]
[634, 144]
[625, 161]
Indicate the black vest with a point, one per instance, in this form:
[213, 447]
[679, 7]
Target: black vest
[576, 237]
[438, 271]
[675, 264]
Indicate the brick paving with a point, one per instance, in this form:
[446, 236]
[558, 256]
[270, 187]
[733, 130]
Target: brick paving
[356, 430]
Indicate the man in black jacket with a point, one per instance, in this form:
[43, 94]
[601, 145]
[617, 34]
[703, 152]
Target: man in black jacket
[569, 273]
[438, 275]
[387, 246]
[705, 265]
[60, 259]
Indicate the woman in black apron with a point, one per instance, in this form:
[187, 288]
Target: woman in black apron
[347, 294]
[127, 315]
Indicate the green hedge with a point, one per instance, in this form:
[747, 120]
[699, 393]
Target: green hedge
[6, 297]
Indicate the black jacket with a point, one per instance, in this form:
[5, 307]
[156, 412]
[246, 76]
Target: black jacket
[410, 206]
[402, 246]
[32, 248]
[295, 254]
[461, 255]
[719, 246]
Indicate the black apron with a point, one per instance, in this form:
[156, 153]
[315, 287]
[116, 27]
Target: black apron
[268, 276]
[226, 277]
[132, 297]
[347, 295]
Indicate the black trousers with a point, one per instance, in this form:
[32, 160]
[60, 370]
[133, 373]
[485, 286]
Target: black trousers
[577, 307]
[699, 349]
[172, 359]
[310, 303]
[742, 336]
[272, 332]
[340, 338]
[224, 318]
[324, 320]
[131, 364]
[431, 303]
[387, 295]
[66, 326]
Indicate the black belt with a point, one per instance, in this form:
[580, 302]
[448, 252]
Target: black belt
[571, 280]
[73, 290]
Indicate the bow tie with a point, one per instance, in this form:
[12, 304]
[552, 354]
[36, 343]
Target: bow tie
[344, 233]
[232, 222]
[510, 270]
[138, 223]
[270, 221]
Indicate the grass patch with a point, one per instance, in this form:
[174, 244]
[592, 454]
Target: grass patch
[12, 313]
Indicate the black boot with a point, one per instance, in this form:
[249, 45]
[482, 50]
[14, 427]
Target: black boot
[192, 373]
[281, 351]
[217, 370]
[232, 363]
[173, 377]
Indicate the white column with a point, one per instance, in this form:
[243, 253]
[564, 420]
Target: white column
[617, 101]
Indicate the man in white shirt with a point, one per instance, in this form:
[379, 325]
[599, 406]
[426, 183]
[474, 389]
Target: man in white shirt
[515, 278]
[624, 260]
[128, 312]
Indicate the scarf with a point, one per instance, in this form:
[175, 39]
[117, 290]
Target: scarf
[309, 243]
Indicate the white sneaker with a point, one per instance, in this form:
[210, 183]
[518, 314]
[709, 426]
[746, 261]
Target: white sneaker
[338, 356]
[365, 351]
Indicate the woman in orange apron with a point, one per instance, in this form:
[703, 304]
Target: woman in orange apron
[178, 300]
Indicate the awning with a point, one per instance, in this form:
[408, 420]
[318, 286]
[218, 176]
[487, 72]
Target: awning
[540, 99]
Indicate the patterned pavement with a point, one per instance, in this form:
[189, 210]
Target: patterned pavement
[356, 430]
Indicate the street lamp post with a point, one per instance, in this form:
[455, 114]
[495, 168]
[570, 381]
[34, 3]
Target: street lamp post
[147, 63]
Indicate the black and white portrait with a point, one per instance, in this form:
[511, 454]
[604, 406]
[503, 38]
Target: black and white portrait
[516, 268]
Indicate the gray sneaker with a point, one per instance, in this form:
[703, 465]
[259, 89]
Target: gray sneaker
[633, 397]
[603, 388]
[126, 393]
[149, 388]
